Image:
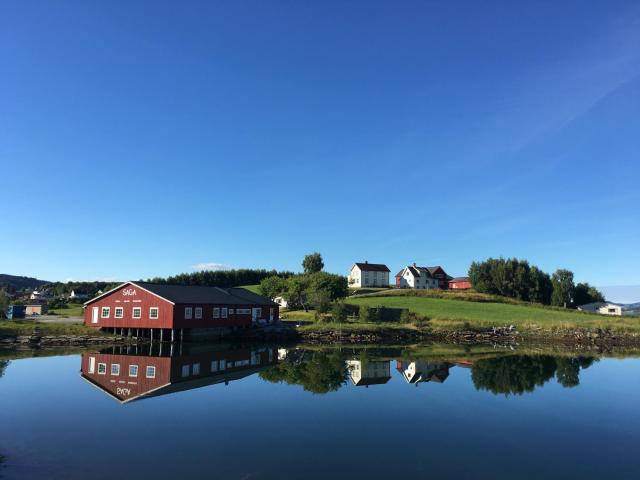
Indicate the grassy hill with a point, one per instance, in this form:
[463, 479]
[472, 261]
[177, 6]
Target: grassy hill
[456, 310]
[252, 288]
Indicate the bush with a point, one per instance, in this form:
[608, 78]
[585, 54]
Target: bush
[339, 312]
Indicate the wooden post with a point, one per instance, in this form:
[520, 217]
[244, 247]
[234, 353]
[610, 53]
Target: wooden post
[181, 334]
[151, 333]
[173, 335]
[161, 334]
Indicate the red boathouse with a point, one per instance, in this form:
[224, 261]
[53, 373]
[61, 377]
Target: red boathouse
[144, 308]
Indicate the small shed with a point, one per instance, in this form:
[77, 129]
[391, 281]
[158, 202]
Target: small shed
[16, 311]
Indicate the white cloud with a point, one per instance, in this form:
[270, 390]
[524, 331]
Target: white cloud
[211, 266]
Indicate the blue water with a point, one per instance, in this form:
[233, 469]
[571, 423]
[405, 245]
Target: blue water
[501, 417]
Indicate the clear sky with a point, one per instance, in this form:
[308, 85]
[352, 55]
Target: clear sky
[150, 138]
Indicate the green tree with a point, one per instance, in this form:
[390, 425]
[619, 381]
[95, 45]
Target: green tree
[367, 315]
[273, 286]
[541, 287]
[585, 293]
[320, 300]
[4, 303]
[297, 292]
[312, 263]
[339, 312]
[562, 281]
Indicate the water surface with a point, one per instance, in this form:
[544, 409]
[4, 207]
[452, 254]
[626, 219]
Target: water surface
[266, 412]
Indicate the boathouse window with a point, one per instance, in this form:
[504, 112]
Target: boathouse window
[188, 313]
[137, 312]
[216, 312]
[214, 366]
[115, 369]
[224, 313]
[244, 311]
[102, 368]
[153, 313]
[198, 312]
[133, 370]
[119, 312]
[185, 371]
[259, 312]
[231, 310]
[105, 312]
[151, 371]
[223, 364]
[195, 369]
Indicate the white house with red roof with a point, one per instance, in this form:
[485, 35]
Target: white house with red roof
[367, 275]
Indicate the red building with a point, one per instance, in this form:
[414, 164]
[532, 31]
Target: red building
[460, 283]
[140, 307]
[133, 376]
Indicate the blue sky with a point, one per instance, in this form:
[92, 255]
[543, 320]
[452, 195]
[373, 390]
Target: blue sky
[146, 138]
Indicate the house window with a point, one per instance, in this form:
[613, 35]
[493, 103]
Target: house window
[185, 371]
[119, 312]
[102, 368]
[195, 369]
[216, 312]
[188, 313]
[224, 313]
[105, 312]
[133, 370]
[223, 364]
[151, 371]
[198, 313]
[259, 312]
[115, 369]
[137, 312]
[154, 313]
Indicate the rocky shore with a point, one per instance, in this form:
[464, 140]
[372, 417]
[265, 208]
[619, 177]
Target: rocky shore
[37, 341]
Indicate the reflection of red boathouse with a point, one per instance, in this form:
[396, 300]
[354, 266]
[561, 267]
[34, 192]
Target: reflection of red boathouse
[128, 377]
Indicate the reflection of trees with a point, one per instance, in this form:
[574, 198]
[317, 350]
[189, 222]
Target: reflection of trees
[520, 374]
[3, 366]
[321, 373]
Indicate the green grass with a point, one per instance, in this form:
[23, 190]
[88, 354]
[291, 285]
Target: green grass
[252, 288]
[72, 310]
[28, 327]
[446, 314]
[353, 327]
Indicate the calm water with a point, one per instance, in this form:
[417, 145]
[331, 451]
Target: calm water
[272, 413]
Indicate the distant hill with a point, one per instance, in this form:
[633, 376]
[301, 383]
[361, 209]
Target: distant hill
[14, 282]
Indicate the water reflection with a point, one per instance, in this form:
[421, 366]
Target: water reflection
[126, 375]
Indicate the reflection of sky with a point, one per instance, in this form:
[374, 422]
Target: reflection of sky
[59, 427]
[622, 293]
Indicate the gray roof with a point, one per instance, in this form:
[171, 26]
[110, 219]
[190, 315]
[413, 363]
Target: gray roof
[372, 267]
[199, 294]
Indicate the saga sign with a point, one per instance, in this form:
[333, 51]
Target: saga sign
[129, 292]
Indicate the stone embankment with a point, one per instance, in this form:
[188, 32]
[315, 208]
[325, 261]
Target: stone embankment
[58, 340]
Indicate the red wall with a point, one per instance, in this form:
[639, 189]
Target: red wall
[207, 320]
[130, 296]
[459, 285]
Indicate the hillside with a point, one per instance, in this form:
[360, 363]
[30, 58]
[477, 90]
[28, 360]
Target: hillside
[18, 283]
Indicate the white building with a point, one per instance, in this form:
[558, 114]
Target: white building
[604, 308]
[372, 372]
[420, 372]
[366, 275]
[416, 277]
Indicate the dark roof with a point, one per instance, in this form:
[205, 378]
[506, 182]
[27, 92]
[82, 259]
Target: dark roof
[372, 267]
[460, 279]
[365, 381]
[198, 294]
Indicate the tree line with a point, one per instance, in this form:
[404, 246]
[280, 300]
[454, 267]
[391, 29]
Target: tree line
[221, 278]
[515, 278]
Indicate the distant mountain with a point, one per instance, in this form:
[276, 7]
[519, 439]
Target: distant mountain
[14, 282]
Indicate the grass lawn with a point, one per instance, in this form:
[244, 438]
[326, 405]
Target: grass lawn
[72, 310]
[252, 288]
[27, 327]
[453, 314]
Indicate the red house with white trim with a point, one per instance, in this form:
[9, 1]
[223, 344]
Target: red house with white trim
[157, 307]
[460, 283]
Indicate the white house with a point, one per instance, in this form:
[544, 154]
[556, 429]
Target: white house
[365, 275]
[605, 308]
[419, 372]
[78, 295]
[416, 277]
[281, 302]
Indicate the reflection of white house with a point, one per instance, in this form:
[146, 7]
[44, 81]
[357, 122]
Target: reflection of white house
[365, 275]
[418, 372]
[608, 308]
[282, 353]
[369, 373]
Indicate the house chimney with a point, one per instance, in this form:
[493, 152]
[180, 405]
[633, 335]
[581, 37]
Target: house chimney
[366, 261]
[414, 264]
